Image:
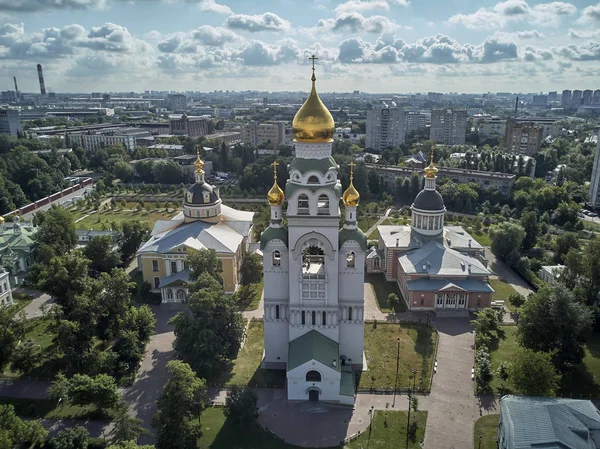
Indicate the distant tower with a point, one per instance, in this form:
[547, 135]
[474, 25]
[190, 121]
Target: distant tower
[41, 77]
[16, 87]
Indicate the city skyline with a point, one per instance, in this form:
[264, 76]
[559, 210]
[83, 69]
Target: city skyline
[375, 46]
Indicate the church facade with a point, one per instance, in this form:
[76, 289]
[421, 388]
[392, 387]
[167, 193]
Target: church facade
[313, 270]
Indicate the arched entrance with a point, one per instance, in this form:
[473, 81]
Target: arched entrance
[313, 394]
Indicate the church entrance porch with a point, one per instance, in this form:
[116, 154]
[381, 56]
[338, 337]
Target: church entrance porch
[313, 395]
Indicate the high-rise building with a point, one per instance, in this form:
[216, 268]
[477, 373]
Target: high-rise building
[256, 134]
[540, 100]
[491, 126]
[595, 181]
[587, 96]
[523, 138]
[576, 98]
[448, 126]
[565, 99]
[596, 98]
[189, 126]
[385, 128]
[415, 121]
[177, 102]
[10, 122]
[552, 96]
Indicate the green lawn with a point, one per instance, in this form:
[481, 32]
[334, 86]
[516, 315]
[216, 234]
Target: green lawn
[105, 219]
[43, 408]
[482, 238]
[487, 428]
[503, 291]
[584, 380]
[258, 288]
[20, 301]
[417, 349]
[246, 367]
[382, 289]
[218, 432]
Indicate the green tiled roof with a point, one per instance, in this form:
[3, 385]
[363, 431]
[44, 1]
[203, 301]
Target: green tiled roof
[320, 165]
[290, 188]
[313, 346]
[347, 382]
[22, 242]
[273, 233]
[353, 234]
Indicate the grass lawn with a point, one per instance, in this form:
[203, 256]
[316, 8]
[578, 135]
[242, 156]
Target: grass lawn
[220, 433]
[417, 349]
[103, 219]
[258, 288]
[43, 408]
[502, 292]
[584, 380]
[20, 301]
[382, 289]
[487, 428]
[482, 238]
[246, 367]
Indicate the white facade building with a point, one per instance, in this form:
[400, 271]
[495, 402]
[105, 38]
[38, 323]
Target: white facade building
[128, 137]
[594, 194]
[550, 273]
[256, 133]
[448, 126]
[313, 270]
[385, 128]
[6, 298]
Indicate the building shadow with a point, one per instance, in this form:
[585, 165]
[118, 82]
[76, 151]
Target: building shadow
[453, 326]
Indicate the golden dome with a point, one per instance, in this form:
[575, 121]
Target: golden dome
[351, 197]
[199, 164]
[430, 170]
[275, 195]
[313, 122]
[1, 220]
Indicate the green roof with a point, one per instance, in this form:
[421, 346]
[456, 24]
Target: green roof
[347, 381]
[22, 242]
[353, 234]
[290, 188]
[320, 165]
[313, 346]
[272, 233]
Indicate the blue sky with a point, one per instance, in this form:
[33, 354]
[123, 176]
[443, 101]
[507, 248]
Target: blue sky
[369, 45]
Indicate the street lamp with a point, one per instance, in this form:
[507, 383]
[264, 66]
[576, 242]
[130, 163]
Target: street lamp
[397, 366]
[57, 404]
[410, 393]
[371, 413]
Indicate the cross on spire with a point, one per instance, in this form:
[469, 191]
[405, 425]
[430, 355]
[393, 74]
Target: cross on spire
[313, 58]
[352, 165]
[431, 157]
[275, 164]
[197, 150]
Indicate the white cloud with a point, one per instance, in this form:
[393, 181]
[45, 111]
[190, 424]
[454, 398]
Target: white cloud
[215, 36]
[41, 5]
[362, 6]
[588, 51]
[213, 6]
[590, 14]
[530, 34]
[261, 22]
[357, 23]
[577, 34]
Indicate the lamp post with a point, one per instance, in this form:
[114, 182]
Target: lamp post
[410, 393]
[57, 404]
[397, 366]
[371, 413]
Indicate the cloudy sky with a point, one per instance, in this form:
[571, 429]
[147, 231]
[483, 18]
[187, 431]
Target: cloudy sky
[369, 45]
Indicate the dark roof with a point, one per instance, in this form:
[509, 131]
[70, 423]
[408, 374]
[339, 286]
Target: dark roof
[320, 165]
[429, 200]
[197, 191]
[356, 235]
[313, 346]
[272, 233]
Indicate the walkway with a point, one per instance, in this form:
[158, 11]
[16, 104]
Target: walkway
[378, 222]
[452, 409]
[506, 274]
[34, 308]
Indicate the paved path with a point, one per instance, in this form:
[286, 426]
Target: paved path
[260, 310]
[33, 309]
[378, 222]
[24, 389]
[452, 407]
[506, 274]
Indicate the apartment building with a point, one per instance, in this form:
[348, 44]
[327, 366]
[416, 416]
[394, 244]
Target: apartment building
[255, 133]
[189, 126]
[177, 102]
[95, 140]
[594, 194]
[490, 126]
[10, 122]
[416, 121]
[448, 126]
[385, 128]
[523, 137]
[551, 126]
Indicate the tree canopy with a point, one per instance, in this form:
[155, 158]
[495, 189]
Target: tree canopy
[531, 373]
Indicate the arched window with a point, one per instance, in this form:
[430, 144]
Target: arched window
[181, 294]
[350, 259]
[303, 318]
[323, 204]
[313, 376]
[313, 180]
[324, 315]
[303, 205]
[276, 258]
[314, 317]
[169, 294]
[277, 312]
[349, 313]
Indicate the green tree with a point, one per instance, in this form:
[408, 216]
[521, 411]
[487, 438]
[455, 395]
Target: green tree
[531, 228]
[507, 239]
[73, 438]
[56, 229]
[126, 428]
[552, 321]
[101, 255]
[393, 300]
[112, 299]
[531, 373]
[563, 244]
[483, 369]
[133, 233]
[129, 445]
[251, 269]
[25, 357]
[516, 299]
[18, 433]
[241, 405]
[123, 171]
[583, 269]
[204, 261]
[177, 420]
[12, 331]
[244, 296]
[100, 391]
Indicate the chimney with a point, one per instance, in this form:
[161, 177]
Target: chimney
[334, 363]
[397, 243]
[16, 87]
[469, 268]
[41, 78]
[469, 243]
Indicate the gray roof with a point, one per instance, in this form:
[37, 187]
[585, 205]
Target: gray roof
[429, 200]
[320, 165]
[374, 252]
[313, 346]
[549, 423]
[436, 285]
[402, 234]
[183, 276]
[440, 261]
[197, 191]
[457, 238]
[272, 233]
[356, 235]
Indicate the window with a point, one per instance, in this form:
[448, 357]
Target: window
[277, 312]
[155, 265]
[440, 300]
[430, 223]
[276, 258]
[169, 294]
[181, 294]
[323, 205]
[303, 205]
[478, 301]
[418, 221]
[349, 313]
[324, 316]
[437, 223]
[422, 302]
[461, 300]
[173, 267]
[313, 376]
[376, 262]
[350, 259]
[303, 318]
[313, 180]
[156, 282]
[314, 317]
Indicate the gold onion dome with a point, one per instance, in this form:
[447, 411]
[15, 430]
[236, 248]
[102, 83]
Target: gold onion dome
[351, 197]
[313, 122]
[275, 195]
[199, 164]
[1, 220]
[431, 169]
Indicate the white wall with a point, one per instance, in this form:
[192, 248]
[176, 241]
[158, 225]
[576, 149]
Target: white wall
[329, 385]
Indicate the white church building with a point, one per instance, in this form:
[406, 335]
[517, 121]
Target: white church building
[313, 270]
